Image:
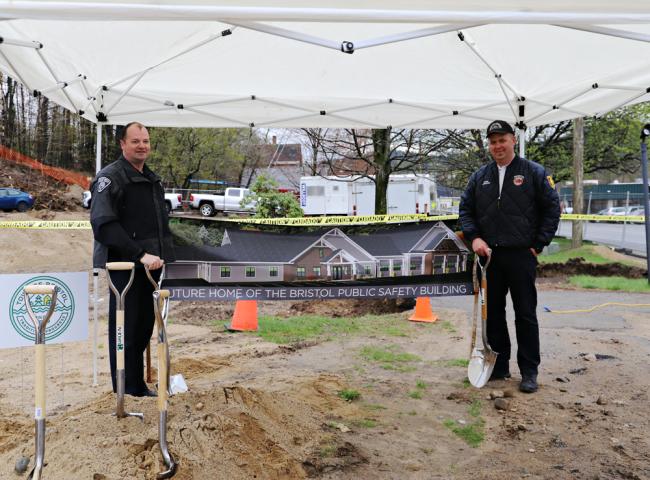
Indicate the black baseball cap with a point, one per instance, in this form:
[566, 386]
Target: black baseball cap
[499, 126]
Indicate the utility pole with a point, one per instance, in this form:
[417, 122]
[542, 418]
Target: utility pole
[578, 174]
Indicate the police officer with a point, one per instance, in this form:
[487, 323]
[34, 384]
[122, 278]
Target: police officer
[130, 223]
[511, 211]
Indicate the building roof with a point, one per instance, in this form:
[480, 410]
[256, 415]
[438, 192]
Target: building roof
[256, 246]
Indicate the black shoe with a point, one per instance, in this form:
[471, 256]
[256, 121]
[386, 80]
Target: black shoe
[499, 376]
[528, 383]
[143, 393]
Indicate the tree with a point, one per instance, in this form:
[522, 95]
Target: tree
[269, 202]
[378, 153]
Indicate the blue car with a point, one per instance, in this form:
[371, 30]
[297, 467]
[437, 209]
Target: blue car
[14, 199]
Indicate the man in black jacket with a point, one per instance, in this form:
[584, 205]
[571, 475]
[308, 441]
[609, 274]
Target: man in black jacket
[130, 223]
[510, 211]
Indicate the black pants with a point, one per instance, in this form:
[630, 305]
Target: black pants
[513, 270]
[138, 326]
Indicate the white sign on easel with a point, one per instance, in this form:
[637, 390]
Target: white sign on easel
[69, 321]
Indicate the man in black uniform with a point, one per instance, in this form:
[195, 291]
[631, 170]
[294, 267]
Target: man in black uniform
[511, 211]
[130, 223]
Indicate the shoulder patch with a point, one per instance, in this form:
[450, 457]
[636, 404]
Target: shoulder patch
[102, 184]
[550, 181]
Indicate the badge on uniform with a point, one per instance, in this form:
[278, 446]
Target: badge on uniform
[518, 180]
[102, 184]
[550, 181]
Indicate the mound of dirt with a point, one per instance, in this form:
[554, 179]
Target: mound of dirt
[48, 193]
[352, 308]
[578, 266]
[230, 432]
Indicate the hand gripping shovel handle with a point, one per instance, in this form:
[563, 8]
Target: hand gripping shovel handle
[39, 387]
[161, 304]
[120, 372]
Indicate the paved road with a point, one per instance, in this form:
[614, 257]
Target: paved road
[630, 236]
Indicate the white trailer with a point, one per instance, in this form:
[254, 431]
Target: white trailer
[355, 195]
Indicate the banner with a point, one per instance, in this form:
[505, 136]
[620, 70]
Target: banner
[68, 323]
[319, 292]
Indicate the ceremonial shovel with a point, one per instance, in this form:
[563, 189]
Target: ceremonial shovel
[120, 373]
[482, 360]
[161, 309]
[39, 336]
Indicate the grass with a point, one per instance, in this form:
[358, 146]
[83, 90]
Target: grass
[374, 406]
[638, 285]
[421, 384]
[365, 423]
[457, 362]
[417, 394]
[475, 408]
[587, 251]
[297, 329]
[448, 326]
[349, 395]
[390, 358]
[472, 433]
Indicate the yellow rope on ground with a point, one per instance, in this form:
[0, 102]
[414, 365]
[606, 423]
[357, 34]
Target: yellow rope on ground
[589, 310]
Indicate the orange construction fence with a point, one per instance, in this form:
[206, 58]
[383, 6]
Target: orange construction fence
[60, 174]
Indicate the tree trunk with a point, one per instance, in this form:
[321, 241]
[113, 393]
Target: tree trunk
[381, 151]
[578, 174]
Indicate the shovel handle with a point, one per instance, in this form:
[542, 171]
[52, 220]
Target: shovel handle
[39, 289]
[120, 265]
[39, 387]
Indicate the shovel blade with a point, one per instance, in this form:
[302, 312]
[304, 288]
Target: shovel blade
[481, 365]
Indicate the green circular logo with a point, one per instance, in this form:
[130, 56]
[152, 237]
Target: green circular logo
[61, 318]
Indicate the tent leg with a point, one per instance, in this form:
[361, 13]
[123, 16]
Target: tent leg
[98, 153]
[522, 143]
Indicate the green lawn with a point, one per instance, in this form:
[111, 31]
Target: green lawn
[305, 327]
[587, 251]
[611, 283]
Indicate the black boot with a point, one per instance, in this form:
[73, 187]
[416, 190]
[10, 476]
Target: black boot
[528, 383]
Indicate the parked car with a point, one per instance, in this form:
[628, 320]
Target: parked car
[635, 210]
[209, 204]
[14, 199]
[172, 200]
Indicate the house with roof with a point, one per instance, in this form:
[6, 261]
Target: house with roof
[253, 256]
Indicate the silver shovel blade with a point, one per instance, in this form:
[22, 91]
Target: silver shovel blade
[481, 365]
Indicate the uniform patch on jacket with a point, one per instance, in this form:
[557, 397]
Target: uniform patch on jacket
[485, 182]
[550, 181]
[102, 184]
[518, 180]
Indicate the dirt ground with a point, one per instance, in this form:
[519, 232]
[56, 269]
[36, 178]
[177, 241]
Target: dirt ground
[257, 410]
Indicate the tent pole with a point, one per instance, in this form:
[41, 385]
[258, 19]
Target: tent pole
[611, 32]
[98, 166]
[522, 142]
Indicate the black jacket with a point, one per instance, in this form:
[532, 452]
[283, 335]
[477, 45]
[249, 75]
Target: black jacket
[525, 215]
[128, 215]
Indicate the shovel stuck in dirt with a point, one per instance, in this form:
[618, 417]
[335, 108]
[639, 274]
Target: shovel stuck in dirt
[39, 338]
[161, 310]
[482, 360]
[120, 373]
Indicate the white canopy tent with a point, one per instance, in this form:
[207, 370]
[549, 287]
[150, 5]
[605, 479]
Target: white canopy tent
[291, 63]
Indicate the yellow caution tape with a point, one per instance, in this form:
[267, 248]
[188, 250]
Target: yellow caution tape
[604, 218]
[340, 220]
[307, 221]
[48, 224]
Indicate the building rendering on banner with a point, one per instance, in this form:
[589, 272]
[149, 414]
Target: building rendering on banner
[249, 256]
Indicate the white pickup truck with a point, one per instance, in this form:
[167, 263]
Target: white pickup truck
[172, 200]
[209, 204]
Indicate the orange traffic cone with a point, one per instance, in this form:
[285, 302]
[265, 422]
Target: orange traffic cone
[245, 317]
[423, 311]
